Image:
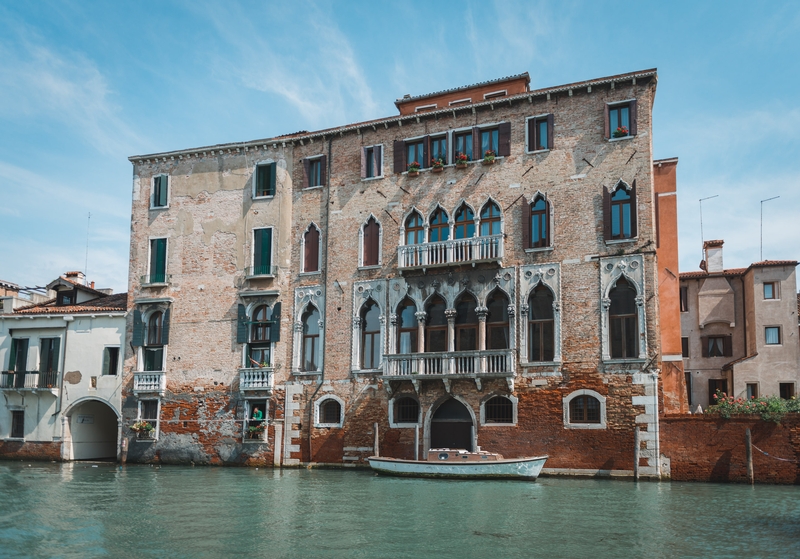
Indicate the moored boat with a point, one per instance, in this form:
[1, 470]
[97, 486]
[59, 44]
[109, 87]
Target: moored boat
[455, 463]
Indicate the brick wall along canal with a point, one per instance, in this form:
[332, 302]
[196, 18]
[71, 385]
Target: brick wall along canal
[77, 510]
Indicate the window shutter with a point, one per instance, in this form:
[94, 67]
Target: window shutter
[106, 363]
[531, 143]
[275, 327]
[727, 346]
[504, 139]
[12, 360]
[704, 346]
[273, 172]
[241, 325]
[426, 150]
[363, 162]
[266, 249]
[476, 144]
[261, 179]
[634, 126]
[165, 328]
[137, 337]
[377, 154]
[547, 220]
[526, 223]
[399, 156]
[606, 133]
[163, 190]
[634, 211]
[306, 172]
[323, 170]
[606, 214]
[55, 346]
[550, 131]
[371, 242]
[311, 250]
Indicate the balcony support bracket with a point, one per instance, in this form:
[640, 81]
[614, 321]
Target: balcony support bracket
[415, 382]
[510, 381]
[478, 384]
[447, 385]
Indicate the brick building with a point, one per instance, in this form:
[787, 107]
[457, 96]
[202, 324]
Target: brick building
[393, 272]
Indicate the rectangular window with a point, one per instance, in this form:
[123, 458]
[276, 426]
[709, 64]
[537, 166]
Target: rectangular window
[315, 173]
[154, 358]
[18, 360]
[717, 346]
[439, 149]
[148, 413]
[65, 298]
[490, 141]
[786, 390]
[110, 360]
[772, 335]
[415, 154]
[685, 347]
[371, 162]
[752, 390]
[48, 354]
[255, 419]
[17, 424]
[158, 261]
[160, 191]
[462, 144]
[684, 299]
[262, 252]
[715, 384]
[688, 377]
[540, 133]
[770, 290]
[265, 180]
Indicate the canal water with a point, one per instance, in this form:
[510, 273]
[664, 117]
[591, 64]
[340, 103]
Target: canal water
[102, 510]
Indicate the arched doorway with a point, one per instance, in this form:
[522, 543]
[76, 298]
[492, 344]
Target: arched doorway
[93, 430]
[452, 426]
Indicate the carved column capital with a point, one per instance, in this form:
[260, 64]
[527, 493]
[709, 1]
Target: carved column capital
[421, 316]
[606, 303]
[482, 313]
[451, 315]
[393, 319]
[512, 310]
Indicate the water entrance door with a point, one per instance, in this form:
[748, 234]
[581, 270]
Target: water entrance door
[93, 426]
[451, 426]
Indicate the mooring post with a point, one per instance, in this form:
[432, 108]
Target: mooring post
[636, 445]
[376, 449]
[748, 448]
[416, 442]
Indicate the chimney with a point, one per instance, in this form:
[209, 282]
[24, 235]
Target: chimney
[91, 285]
[713, 253]
[77, 277]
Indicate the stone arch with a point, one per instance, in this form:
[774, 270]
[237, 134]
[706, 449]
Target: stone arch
[92, 430]
[463, 432]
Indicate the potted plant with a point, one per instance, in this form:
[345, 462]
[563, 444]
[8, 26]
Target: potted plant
[461, 160]
[621, 132]
[413, 169]
[256, 431]
[488, 157]
[143, 429]
[437, 164]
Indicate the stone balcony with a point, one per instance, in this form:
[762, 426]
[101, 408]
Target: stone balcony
[451, 252]
[256, 378]
[445, 366]
[151, 382]
[30, 380]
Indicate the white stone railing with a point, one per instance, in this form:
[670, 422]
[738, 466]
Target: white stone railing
[255, 379]
[454, 251]
[149, 382]
[499, 362]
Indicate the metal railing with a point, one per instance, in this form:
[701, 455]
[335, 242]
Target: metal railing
[255, 379]
[30, 380]
[149, 382]
[454, 251]
[500, 362]
[256, 271]
[156, 279]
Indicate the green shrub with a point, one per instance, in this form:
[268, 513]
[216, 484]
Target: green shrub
[769, 408]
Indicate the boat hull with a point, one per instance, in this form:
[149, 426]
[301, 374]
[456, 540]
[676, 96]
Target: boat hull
[512, 468]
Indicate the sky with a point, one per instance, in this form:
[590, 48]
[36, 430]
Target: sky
[85, 84]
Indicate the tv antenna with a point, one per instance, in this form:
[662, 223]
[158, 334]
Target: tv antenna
[86, 262]
[761, 253]
[702, 238]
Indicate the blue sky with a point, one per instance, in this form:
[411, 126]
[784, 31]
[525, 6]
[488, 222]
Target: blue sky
[84, 85]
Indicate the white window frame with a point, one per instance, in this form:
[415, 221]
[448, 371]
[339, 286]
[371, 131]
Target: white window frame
[120, 358]
[250, 314]
[392, 423]
[585, 392]
[611, 132]
[153, 192]
[780, 335]
[310, 159]
[514, 402]
[140, 353]
[271, 251]
[247, 411]
[303, 251]
[255, 179]
[527, 133]
[317, 406]
[139, 417]
[495, 94]
[776, 291]
[380, 167]
[361, 265]
[425, 107]
[150, 257]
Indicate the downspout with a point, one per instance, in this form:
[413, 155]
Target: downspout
[67, 319]
[325, 288]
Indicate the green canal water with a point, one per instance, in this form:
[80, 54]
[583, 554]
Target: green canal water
[84, 510]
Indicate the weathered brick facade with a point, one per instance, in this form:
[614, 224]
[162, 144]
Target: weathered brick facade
[203, 388]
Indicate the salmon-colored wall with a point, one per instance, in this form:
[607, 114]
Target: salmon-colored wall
[513, 87]
[673, 381]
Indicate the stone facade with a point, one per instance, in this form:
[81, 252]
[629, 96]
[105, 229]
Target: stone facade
[435, 328]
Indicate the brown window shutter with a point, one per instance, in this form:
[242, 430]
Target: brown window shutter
[727, 346]
[399, 156]
[658, 222]
[606, 133]
[323, 170]
[306, 166]
[504, 139]
[634, 211]
[371, 242]
[311, 254]
[377, 153]
[548, 220]
[704, 346]
[550, 130]
[634, 127]
[531, 145]
[363, 162]
[476, 144]
[606, 214]
[426, 150]
[526, 223]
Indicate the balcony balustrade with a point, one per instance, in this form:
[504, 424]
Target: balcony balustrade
[149, 382]
[454, 251]
[29, 380]
[255, 379]
[490, 362]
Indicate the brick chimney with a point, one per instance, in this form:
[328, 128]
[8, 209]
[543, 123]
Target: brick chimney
[713, 252]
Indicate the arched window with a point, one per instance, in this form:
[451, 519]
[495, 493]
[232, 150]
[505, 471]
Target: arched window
[465, 223]
[623, 322]
[439, 229]
[311, 341]
[584, 409]
[407, 327]
[415, 229]
[259, 348]
[371, 243]
[406, 410]
[499, 409]
[154, 346]
[436, 325]
[329, 412]
[539, 222]
[466, 323]
[490, 220]
[621, 214]
[541, 325]
[370, 335]
[311, 249]
[497, 333]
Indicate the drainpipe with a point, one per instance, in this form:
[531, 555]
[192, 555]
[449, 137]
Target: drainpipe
[325, 288]
[63, 360]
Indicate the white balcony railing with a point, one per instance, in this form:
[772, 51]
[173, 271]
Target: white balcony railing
[30, 380]
[149, 382]
[489, 362]
[454, 251]
[255, 379]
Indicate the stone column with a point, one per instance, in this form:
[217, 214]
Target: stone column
[421, 317]
[451, 328]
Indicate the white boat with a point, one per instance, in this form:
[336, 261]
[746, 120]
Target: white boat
[455, 463]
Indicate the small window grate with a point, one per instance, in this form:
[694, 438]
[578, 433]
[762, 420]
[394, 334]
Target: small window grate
[499, 410]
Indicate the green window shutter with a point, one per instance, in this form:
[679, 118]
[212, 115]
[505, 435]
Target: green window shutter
[137, 338]
[13, 357]
[163, 183]
[275, 328]
[165, 328]
[273, 171]
[55, 345]
[262, 251]
[158, 260]
[241, 325]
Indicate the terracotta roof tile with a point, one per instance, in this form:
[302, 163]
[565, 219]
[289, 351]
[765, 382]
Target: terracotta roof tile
[733, 272]
[774, 263]
[404, 100]
[108, 303]
[729, 366]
